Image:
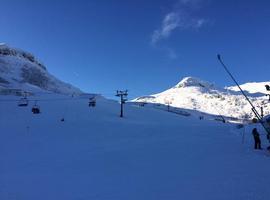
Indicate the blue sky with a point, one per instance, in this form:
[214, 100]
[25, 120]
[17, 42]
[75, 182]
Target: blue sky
[144, 46]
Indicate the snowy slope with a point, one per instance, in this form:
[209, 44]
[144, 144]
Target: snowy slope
[20, 70]
[149, 154]
[195, 94]
[253, 87]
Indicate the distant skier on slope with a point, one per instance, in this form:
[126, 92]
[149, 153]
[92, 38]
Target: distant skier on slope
[257, 140]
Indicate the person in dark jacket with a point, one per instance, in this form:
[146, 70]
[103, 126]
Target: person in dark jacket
[257, 140]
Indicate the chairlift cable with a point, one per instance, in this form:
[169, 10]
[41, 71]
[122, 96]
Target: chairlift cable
[252, 106]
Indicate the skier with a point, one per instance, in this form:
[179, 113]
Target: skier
[257, 140]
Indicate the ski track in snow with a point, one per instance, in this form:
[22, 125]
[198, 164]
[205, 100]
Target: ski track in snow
[149, 154]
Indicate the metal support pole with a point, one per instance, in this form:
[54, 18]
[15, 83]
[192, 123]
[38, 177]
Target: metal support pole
[123, 99]
[252, 106]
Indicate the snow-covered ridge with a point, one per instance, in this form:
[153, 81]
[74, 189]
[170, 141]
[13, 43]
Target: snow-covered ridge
[9, 51]
[195, 94]
[20, 70]
[253, 87]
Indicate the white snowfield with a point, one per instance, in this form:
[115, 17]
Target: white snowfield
[195, 94]
[147, 155]
[252, 87]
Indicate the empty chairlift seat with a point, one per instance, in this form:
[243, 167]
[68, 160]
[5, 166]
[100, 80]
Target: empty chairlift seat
[23, 102]
[92, 102]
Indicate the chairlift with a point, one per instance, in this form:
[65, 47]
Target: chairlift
[267, 87]
[141, 104]
[92, 102]
[23, 102]
[36, 109]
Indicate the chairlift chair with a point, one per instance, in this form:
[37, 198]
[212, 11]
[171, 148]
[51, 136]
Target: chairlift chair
[35, 109]
[23, 102]
[267, 87]
[92, 102]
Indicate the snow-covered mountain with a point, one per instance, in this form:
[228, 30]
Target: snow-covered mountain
[21, 71]
[72, 151]
[252, 88]
[195, 94]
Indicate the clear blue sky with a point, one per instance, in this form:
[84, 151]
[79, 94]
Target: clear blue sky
[144, 46]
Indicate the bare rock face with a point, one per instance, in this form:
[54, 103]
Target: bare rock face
[20, 70]
[35, 77]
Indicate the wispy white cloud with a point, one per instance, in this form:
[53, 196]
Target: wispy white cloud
[169, 24]
[181, 18]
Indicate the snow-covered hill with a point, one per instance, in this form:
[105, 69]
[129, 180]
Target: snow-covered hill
[21, 71]
[252, 88]
[202, 96]
[148, 154]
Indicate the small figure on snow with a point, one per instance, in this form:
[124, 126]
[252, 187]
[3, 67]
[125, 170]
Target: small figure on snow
[257, 140]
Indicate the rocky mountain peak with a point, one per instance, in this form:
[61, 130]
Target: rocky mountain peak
[193, 82]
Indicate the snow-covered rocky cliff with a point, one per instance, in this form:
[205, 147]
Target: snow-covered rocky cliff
[21, 71]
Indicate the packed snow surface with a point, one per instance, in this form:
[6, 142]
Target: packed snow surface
[148, 154]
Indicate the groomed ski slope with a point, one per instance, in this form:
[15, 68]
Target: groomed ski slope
[148, 155]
